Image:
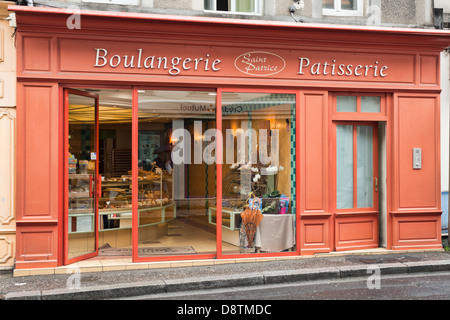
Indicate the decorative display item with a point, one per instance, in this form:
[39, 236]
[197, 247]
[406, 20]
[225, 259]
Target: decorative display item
[251, 218]
[283, 204]
[255, 203]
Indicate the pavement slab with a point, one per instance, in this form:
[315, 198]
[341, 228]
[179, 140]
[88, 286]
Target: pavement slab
[134, 282]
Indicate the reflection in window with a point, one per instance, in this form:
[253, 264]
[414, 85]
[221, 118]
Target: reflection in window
[348, 5]
[328, 4]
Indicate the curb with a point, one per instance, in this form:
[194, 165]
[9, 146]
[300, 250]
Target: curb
[241, 280]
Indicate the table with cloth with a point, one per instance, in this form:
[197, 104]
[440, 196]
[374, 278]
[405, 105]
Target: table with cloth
[275, 233]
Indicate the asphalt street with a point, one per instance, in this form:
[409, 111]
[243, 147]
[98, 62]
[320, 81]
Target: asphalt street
[423, 286]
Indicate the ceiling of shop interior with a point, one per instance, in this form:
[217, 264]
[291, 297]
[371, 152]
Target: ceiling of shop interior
[161, 105]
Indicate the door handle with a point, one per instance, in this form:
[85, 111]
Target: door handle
[376, 184]
[99, 186]
[91, 191]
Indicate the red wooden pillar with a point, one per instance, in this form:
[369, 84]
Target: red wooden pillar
[38, 174]
[316, 220]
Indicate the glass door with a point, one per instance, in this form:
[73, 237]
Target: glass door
[81, 185]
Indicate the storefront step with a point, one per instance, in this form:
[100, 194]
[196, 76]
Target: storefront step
[126, 264]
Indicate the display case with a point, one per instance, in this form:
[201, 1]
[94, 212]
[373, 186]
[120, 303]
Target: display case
[231, 222]
[80, 203]
[155, 203]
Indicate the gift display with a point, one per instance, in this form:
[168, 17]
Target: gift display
[258, 183]
[72, 164]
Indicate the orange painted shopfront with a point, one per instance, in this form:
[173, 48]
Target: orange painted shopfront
[180, 138]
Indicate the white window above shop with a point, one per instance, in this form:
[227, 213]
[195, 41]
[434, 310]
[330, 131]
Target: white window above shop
[234, 6]
[123, 2]
[342, 7]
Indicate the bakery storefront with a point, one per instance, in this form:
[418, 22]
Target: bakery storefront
[174, 138]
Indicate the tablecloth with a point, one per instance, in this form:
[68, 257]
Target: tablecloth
[275, 233]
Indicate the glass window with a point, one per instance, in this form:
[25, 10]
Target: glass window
[344, 162]
[177, 172]
[355, 162]
[342, 7]
[349, 5]
[346, 104]
[328, 4]
[365, 166]
[358, 104]
[82, 171]
[370, 104]
[258, 172]
[115, 165]
[234, 6]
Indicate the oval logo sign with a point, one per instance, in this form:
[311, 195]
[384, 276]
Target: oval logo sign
[260, 63]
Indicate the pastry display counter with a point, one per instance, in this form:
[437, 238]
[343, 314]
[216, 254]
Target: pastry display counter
[155, 204]
[231, 217]
[147, 215]
[231, 222]
[81, 203]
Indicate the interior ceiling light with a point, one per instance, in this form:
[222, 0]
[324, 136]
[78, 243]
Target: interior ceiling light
[85, 114]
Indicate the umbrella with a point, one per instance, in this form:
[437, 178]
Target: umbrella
[251, 218]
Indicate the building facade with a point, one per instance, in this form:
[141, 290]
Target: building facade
[165, 136]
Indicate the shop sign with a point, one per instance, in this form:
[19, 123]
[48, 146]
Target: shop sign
[231, 63]
[254, 63]
[197, 108]
[260, 63]
[203, 108]
[334, 68]
[174, 65]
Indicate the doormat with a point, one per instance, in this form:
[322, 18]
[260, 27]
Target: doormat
[147, 251]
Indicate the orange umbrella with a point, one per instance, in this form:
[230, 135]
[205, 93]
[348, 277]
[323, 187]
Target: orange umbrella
[251, 220]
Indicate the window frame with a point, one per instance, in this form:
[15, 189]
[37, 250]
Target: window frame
[258, 8]
[337, 11]
[219, 166]
[358, 115]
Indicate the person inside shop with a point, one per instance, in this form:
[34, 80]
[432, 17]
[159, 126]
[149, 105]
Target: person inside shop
[163, 160]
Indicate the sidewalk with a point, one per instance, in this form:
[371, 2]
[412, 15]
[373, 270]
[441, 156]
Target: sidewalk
[127, 280]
